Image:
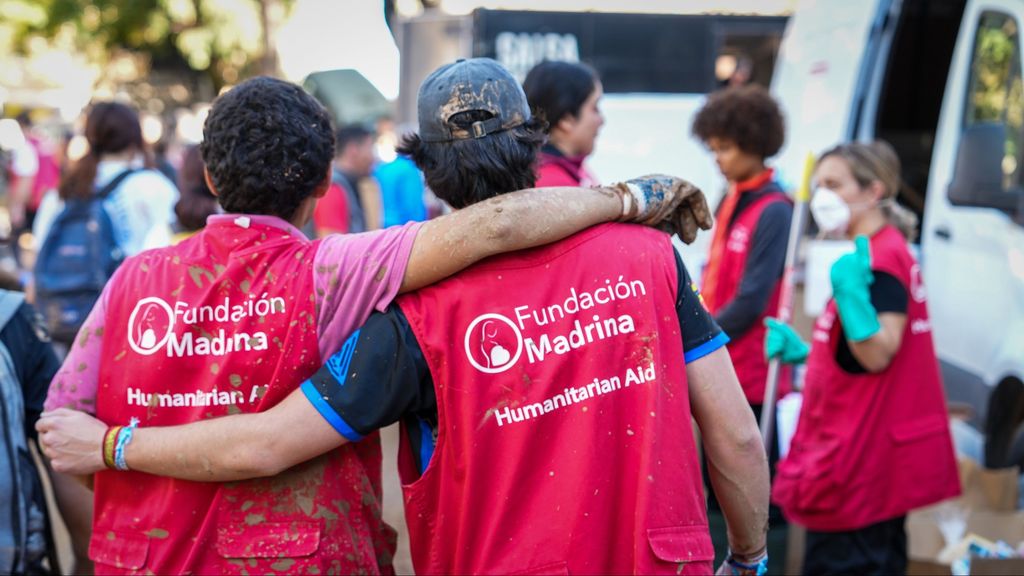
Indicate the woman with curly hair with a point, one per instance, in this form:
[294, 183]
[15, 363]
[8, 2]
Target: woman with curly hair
[743, 127]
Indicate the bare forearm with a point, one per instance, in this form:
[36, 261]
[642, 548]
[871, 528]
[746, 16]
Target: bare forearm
[739, 477]
[876, 353]
[736, 458]
[235, 447]
[505, 223]
[216, 450]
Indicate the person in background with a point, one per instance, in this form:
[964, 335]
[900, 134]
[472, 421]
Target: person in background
[873, 439]
[566, 95]
[350, 205]
[401, 191]
[34, 171]
[196, 203]
[142, 206]
[34, 364]
[741, 283]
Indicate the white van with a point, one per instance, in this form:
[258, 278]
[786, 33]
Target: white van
[941, 81]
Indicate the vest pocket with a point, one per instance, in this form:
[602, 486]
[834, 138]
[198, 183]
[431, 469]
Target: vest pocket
[689, 548]
[125, 550]
[268, 540]
[813, 477]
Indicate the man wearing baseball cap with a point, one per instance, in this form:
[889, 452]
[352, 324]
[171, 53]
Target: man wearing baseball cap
[545, 395]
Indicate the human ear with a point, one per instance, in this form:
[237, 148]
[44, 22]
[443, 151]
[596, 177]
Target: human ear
[209, 182]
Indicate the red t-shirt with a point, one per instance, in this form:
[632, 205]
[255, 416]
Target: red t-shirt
[331, 213]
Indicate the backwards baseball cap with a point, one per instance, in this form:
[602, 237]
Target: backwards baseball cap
[477, 84]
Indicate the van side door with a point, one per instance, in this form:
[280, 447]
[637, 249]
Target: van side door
[969, 245]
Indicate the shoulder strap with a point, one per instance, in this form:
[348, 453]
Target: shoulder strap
[9, 304]
[113, 184]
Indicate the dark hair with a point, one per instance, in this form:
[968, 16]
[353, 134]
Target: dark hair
[267, 145]
[464, 172]
[747, 115]
[559, 89]
[195, 202]
[353, 133]
[110, 128]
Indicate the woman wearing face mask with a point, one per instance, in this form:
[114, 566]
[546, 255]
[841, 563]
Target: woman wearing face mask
[873, 439]
[566, 95]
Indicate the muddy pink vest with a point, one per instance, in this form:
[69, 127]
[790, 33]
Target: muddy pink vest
[225, 323]
[564, 441]
[747, 350]
[870, 447]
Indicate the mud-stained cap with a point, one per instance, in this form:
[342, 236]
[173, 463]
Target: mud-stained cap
[477, 84]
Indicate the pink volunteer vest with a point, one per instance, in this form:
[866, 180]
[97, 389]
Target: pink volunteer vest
[225, 323]
[747, 351]
[564, 420]
[870, 447]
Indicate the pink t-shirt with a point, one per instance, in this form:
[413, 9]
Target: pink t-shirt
[353, 275]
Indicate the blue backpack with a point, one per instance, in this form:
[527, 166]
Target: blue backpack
[80, 253]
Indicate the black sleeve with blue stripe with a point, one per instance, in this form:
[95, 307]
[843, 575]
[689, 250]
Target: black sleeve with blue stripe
[701, 334]
[377, 378]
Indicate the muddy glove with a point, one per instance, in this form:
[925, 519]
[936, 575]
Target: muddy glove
[783, 342]
[733, 567]
[851, 280]
[665, 202]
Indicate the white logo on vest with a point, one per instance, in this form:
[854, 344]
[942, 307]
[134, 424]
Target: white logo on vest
[150, 325]
[208, 329]
[493, 343]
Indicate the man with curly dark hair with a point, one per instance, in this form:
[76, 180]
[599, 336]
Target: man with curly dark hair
[743, 127]
[234, 319]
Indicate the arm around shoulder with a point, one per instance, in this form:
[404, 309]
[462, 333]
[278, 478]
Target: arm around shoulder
[235, 447]
[504, 223]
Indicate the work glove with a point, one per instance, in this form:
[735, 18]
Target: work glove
[670, 204]
[733, 567]
[783, 342]
[851, 280]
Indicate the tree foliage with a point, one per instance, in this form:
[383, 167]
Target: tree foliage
[226, 39]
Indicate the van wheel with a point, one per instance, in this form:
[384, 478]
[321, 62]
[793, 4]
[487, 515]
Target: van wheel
[1005, 415]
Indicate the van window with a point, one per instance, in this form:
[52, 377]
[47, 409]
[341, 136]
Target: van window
[995, 87]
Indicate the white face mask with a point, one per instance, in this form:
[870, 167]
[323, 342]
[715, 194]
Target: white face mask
[829, 211]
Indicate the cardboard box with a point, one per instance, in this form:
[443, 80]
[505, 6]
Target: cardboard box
[979, 567]
[985, 489]
[988, 507]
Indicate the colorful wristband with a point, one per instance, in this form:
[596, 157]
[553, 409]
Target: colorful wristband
[109, 440]
[124, 436]
[755, 567]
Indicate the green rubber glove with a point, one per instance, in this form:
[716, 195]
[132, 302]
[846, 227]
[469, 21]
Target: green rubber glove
[783, 342]
[851, 281]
